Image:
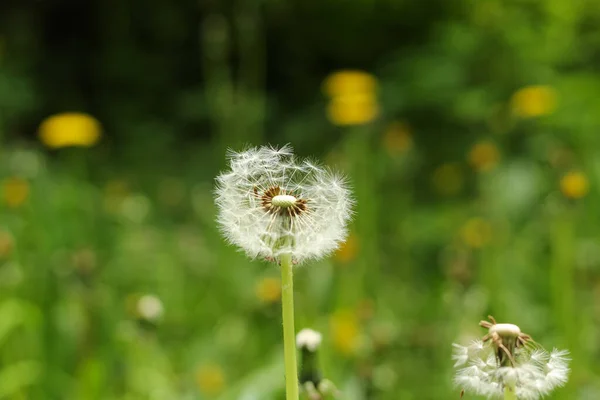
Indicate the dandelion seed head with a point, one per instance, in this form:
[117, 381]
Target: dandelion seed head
[269, 204]
[150, 307]
[535, 374]
[308, 339]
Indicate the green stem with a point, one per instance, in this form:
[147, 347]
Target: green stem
[509, 393]
[289, 334]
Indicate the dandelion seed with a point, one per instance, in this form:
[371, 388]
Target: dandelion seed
[507, 359]
[271, 204]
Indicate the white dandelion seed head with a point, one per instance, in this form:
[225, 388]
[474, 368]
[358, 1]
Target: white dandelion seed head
[535, 374]
[270, 204]
[308, 339]
[462, 354]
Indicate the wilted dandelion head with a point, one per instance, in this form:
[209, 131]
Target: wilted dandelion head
[271, 204]
[506, 357]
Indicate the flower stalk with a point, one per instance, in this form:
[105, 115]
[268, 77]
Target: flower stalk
[289, 335]
[278, 208]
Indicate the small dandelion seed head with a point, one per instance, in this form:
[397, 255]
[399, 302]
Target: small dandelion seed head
[270, 204]
[308, 339]
[150, 307]
[534, 374]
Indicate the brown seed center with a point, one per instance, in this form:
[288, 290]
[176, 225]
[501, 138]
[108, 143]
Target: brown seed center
[278, 201]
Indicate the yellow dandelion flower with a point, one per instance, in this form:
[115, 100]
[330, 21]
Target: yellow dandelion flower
[210, 379]
[268, 290]
[15, 192]
[353, 109]
[70, 129]
[397, 139]
[534, 101]
[345, 332]
[476, 232]
[484, 156]
[353, 97]
[348, 249]
[6, 245]
[448, 179]
[349, 82]
[574, 185]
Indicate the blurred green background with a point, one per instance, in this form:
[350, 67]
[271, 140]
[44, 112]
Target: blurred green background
[468, 128]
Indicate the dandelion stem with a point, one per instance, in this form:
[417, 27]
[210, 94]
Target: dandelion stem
[289, 335]
[509, 393]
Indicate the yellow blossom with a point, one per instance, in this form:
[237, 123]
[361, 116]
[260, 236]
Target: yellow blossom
[345, 332]
[70, 129]
[476, 232]
[353, 98]
[348, 249]
[6, 244]
[574, 185]
[268, 290]
[448, 179]
[15, 191]
[397, 139]
[484, 156]
[349, 82]
[210, 379]
[352, 109]
[534, 101]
